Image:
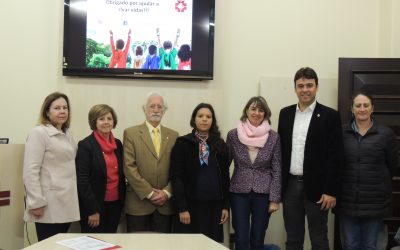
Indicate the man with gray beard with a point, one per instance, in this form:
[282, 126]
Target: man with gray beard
[147, 149]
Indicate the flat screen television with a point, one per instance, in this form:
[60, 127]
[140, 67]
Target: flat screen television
[150, 39]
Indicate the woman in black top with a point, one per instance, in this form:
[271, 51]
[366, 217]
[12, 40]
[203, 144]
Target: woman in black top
[199, 175]
[370, 161]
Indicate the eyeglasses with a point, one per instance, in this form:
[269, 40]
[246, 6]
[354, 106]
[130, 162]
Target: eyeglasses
[156, 107]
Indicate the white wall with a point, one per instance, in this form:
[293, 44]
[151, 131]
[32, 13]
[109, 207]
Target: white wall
[254, 40]
[258, 39]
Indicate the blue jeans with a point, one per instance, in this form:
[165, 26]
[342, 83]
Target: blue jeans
[360, 233]
[250, 219]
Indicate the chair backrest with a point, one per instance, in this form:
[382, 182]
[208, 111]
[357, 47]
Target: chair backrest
[271, 247]
[397, 236]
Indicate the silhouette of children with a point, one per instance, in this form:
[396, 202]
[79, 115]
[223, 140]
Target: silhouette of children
[138, 58]
[119, 54]
[184, 55]
[168, 52]
[152, 59]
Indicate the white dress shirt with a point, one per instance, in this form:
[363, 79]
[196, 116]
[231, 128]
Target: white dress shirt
[300, 128]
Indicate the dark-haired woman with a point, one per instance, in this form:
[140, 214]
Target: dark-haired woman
[370, 161]
[256, 181]
[200, 177]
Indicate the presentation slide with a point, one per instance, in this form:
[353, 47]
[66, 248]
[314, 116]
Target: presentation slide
[139, 34]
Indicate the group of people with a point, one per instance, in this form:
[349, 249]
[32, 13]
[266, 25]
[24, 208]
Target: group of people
[168, 183]
[168, 57]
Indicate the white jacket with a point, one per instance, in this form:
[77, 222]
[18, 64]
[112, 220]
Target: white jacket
[50, 176]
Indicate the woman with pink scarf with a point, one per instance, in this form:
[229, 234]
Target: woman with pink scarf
[255, 188]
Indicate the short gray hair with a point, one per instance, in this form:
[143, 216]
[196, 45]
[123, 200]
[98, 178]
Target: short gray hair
[151, 94]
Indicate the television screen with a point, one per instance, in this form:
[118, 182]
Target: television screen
[164, 39]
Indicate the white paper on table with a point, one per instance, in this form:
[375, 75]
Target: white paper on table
[86, 243]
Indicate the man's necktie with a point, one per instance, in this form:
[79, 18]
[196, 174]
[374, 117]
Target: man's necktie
[156, 141]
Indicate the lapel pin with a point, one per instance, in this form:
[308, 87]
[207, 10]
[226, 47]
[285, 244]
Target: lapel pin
[318, 115]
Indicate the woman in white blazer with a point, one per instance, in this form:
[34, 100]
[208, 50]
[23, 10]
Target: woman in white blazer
[49, 170]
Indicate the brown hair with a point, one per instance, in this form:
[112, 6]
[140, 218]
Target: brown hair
[260, 103]
[98, 111]
[364, 93]
[44, 118]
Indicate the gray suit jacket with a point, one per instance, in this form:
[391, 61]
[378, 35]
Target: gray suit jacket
[144, 170]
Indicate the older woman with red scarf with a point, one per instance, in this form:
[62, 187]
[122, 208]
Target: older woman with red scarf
[101, 182]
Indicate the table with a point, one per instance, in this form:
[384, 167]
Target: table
[138, 241]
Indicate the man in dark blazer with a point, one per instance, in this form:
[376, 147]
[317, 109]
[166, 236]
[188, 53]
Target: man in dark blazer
[146, 167]
[312, 145]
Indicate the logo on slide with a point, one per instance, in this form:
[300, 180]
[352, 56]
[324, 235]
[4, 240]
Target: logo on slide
[180, 6]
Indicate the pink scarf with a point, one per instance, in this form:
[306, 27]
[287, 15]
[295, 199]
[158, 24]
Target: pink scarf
[253, 136]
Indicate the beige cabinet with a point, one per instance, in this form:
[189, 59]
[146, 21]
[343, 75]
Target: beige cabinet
[11, 197]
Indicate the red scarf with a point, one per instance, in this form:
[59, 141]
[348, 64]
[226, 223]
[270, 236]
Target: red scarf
[107, 146]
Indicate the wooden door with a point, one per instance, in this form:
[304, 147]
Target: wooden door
[381, 78]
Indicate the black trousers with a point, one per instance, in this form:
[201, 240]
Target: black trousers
[154, 222]
[109, 219]
[204, 219]
[46, 230]
[296, 207]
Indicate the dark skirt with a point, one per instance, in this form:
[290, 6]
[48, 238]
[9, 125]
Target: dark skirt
[204, 219]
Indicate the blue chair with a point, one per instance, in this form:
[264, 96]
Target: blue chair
[271, 247]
